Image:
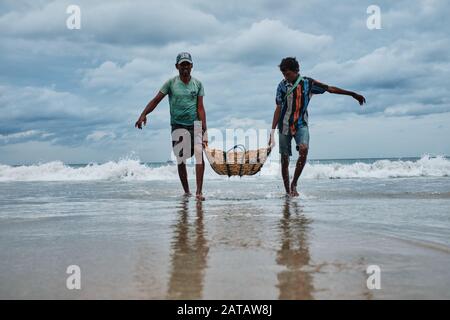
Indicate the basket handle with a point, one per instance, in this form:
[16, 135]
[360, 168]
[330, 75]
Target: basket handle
[239, 146]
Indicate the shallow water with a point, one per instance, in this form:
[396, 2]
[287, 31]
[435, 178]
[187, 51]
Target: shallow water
[140, 239]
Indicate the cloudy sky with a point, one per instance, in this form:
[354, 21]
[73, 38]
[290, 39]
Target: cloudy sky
[74, 95]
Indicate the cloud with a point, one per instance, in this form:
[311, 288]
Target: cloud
[379, 136]
[254, 45]
[415, 109]
[36, 104]
[150, 22]
[244, 123]
[40, 103]
[23, 135]
[429, 12]
[62, 116]
[389, 67]
[135, 22]
[47, 20]
[110, 75]
[267, 41]
[399, 79]
[99, 135]
[69, 85]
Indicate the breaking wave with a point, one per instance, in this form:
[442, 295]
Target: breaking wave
[129, 170]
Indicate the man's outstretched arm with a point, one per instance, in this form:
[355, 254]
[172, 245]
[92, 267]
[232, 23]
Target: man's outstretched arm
[355, 95]
[149, 108]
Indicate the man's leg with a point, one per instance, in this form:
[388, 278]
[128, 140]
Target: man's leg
[182, 173]
[284, 143]
[181, 148]
[302, 141]
[199, 170]
[303, 154]
[197, 147]
[285, 171]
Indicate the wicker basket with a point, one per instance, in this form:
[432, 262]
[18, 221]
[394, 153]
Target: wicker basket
[237, 161]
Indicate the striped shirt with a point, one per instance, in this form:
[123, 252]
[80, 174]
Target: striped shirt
[294, 108]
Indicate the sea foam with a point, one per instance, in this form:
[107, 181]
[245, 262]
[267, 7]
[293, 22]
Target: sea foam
[131, 169]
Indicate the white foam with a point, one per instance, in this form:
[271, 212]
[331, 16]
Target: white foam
[129, 170]
[424, 167]
[58, 171]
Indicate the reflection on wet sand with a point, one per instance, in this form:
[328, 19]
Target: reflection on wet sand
[294, 282]
[189, 255]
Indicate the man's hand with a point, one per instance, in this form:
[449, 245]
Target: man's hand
[141, 120]
[205, 140]
[272, 139]
[360, 98]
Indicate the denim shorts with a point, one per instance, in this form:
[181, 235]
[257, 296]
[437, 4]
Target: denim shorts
[285, 141]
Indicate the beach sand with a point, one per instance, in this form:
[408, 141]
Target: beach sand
[142, 240]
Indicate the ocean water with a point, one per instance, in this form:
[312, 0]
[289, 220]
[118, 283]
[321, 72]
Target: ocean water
[133, 235]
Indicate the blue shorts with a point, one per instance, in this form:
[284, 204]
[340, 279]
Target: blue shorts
[285, 141]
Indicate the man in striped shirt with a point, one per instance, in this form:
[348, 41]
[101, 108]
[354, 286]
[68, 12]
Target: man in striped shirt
[291, 116]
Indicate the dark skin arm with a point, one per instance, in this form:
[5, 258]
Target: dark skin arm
[276, 117]
[149, 108]
[202, 117]
[361, 100]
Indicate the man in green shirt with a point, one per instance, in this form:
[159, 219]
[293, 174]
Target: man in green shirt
[187, 118]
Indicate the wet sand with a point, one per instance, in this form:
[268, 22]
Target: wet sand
[255, 244]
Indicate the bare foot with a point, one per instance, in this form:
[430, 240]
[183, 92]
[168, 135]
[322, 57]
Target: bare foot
[199, 197]
[294, 192]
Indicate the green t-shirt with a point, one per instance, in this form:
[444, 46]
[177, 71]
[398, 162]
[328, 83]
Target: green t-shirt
[183, 99]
